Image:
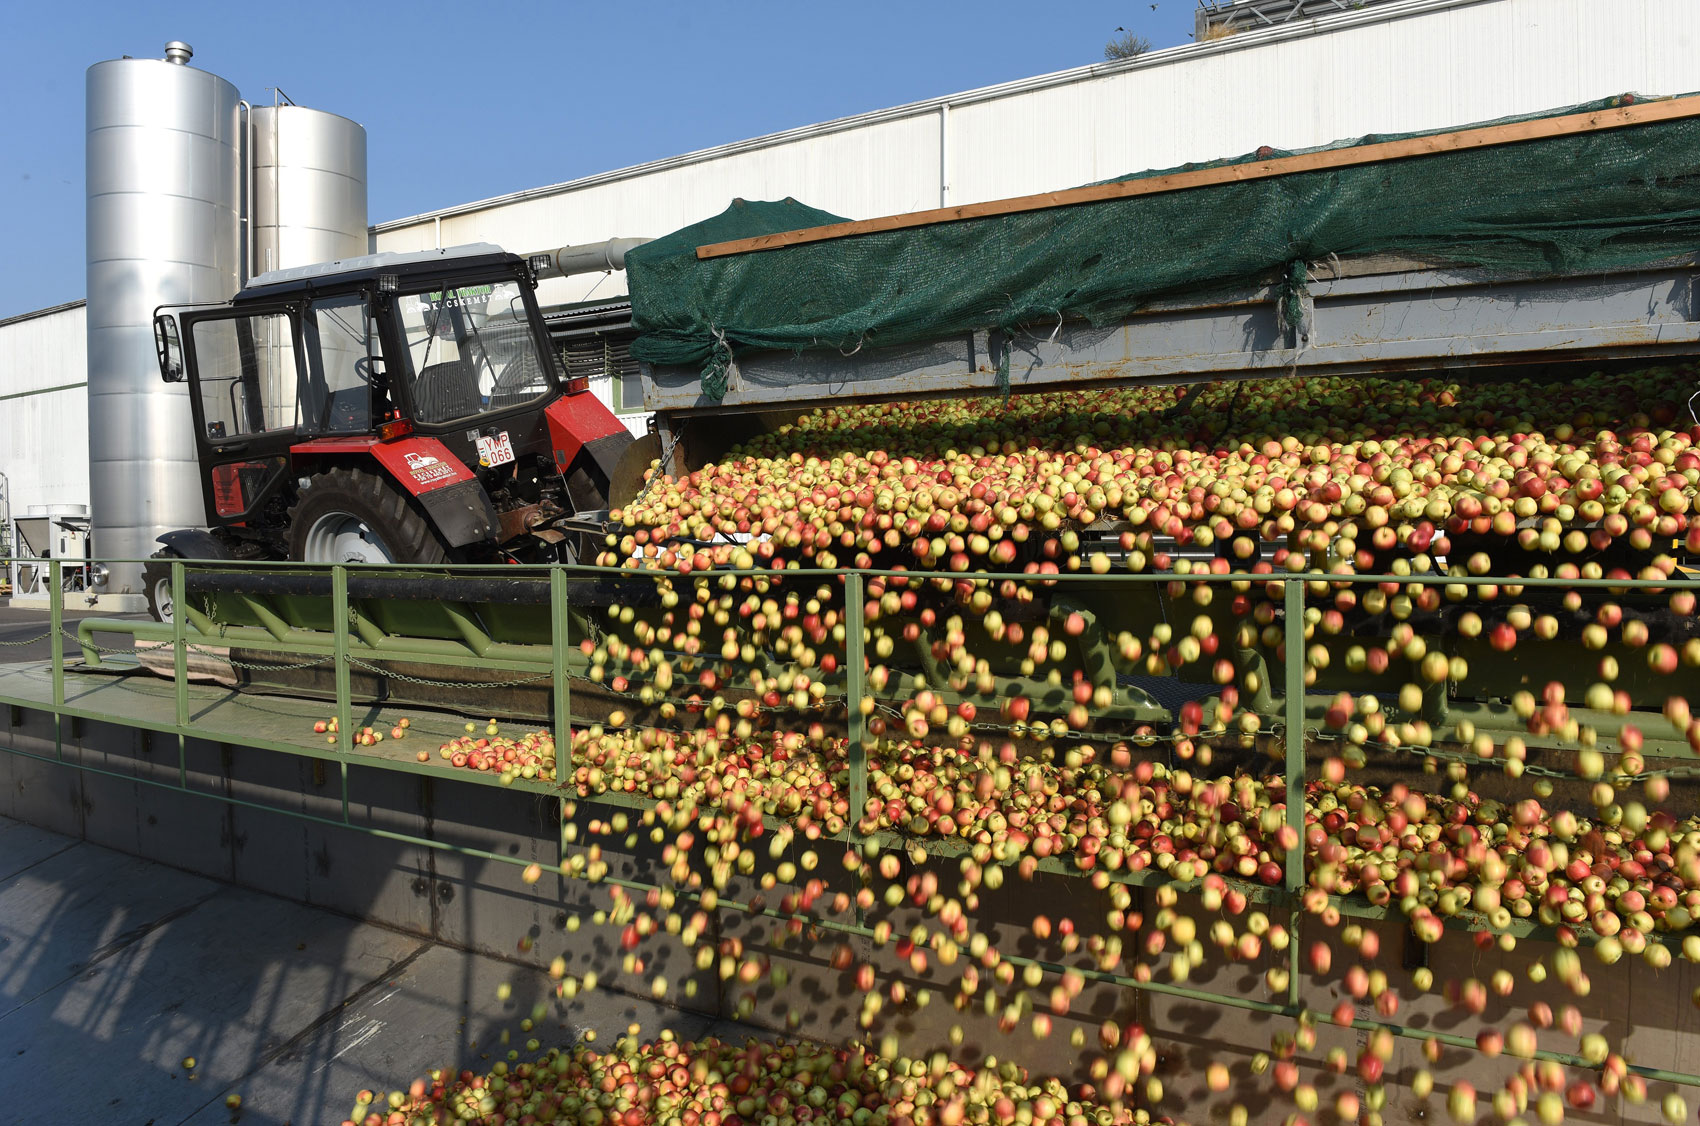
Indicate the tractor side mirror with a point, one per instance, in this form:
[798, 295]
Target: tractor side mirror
[170, 348]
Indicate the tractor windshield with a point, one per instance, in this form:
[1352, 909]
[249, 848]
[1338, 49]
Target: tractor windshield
[471, 351]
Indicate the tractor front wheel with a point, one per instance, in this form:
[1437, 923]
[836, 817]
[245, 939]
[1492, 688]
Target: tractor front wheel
[156, 583]
[352, 516]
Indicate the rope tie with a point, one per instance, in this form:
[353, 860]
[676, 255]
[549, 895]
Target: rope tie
[1293, 310]
[716, 370]
[1292, 306]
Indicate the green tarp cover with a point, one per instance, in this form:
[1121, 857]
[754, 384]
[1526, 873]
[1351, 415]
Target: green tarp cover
[1567, 204]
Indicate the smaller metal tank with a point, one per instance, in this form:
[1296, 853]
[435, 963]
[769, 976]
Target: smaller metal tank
[308, 188]
[307, 204]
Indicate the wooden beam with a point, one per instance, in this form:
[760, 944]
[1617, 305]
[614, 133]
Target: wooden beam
[1462, 140]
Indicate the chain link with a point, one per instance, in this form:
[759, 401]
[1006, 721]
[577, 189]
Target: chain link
[1468, 759]
[255, 667]
[26, 641]
[429, 683]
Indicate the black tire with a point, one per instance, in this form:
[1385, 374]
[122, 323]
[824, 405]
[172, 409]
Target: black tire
[384, 515]
[156, 584]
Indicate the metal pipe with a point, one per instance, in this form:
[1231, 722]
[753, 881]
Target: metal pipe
[560, 638]
[8, 535]
[944, 154]
[587, 258]
[855, 691]
[476, 639]
[510, 656]
[245, 195]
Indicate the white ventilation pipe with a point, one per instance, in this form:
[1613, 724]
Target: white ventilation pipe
[587, 258]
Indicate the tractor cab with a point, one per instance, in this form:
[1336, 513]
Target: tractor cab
[387, 408]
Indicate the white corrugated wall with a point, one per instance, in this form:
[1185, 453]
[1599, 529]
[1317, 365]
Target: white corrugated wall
[44, 408]
[1424, 64]
[1452, 66]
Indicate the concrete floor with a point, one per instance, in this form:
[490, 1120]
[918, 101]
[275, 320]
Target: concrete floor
[113, 970]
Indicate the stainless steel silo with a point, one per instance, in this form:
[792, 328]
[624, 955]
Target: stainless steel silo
[307, 203]
[165, 153]
[309, 187]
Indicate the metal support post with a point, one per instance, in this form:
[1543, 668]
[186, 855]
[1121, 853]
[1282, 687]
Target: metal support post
[855, 689]
[1294, 745]
[559, 639]
[56, 622]
[56, 619]
[339, 642]
[344, 687]
[179, 643]
[180, 667]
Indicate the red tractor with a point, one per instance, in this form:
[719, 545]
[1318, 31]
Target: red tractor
[393, 408]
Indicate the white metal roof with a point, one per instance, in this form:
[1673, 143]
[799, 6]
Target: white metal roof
[371, 262]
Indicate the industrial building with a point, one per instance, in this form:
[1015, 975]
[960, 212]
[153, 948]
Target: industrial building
[1285, 75]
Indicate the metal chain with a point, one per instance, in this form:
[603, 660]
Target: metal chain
[27, 641]
[256, 667]
[1498, 763]
[666, 455]
[429, 683]
[698, 702]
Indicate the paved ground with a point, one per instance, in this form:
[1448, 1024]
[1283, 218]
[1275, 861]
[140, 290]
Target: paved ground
[18, 626]
[114, 970]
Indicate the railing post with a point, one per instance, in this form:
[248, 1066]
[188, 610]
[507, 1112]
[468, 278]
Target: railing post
[855, 689]
[179, 643]
[1294, 746]
[344, 689]
[180, 667]
[56, 621]
[559, 639]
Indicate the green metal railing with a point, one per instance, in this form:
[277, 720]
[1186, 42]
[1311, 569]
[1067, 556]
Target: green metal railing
[189, 629]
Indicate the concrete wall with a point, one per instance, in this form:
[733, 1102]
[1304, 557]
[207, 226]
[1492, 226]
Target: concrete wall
[486, 906]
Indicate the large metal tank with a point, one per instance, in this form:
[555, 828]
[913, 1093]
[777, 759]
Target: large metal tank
[165, 152]
[307, 204]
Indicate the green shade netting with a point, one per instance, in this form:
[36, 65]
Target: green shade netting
[1569, 204]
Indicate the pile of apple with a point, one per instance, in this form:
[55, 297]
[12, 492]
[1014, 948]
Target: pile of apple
[367, 736]
[529, 756]
[715, 1083]
[979, 484]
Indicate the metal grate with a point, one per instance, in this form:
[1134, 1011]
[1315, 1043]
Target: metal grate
[605, 355]
[1216, 18]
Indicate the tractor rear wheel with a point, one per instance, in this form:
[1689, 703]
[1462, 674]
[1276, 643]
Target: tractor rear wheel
[352, 516]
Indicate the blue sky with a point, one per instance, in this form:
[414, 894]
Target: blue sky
[541, 92]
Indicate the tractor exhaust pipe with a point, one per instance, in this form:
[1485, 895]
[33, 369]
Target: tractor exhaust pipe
[587, 258]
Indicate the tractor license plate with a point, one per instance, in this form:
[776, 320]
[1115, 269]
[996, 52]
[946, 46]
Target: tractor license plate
[495, 451]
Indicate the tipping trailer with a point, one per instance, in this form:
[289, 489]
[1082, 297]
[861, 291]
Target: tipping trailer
[1412, 295]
